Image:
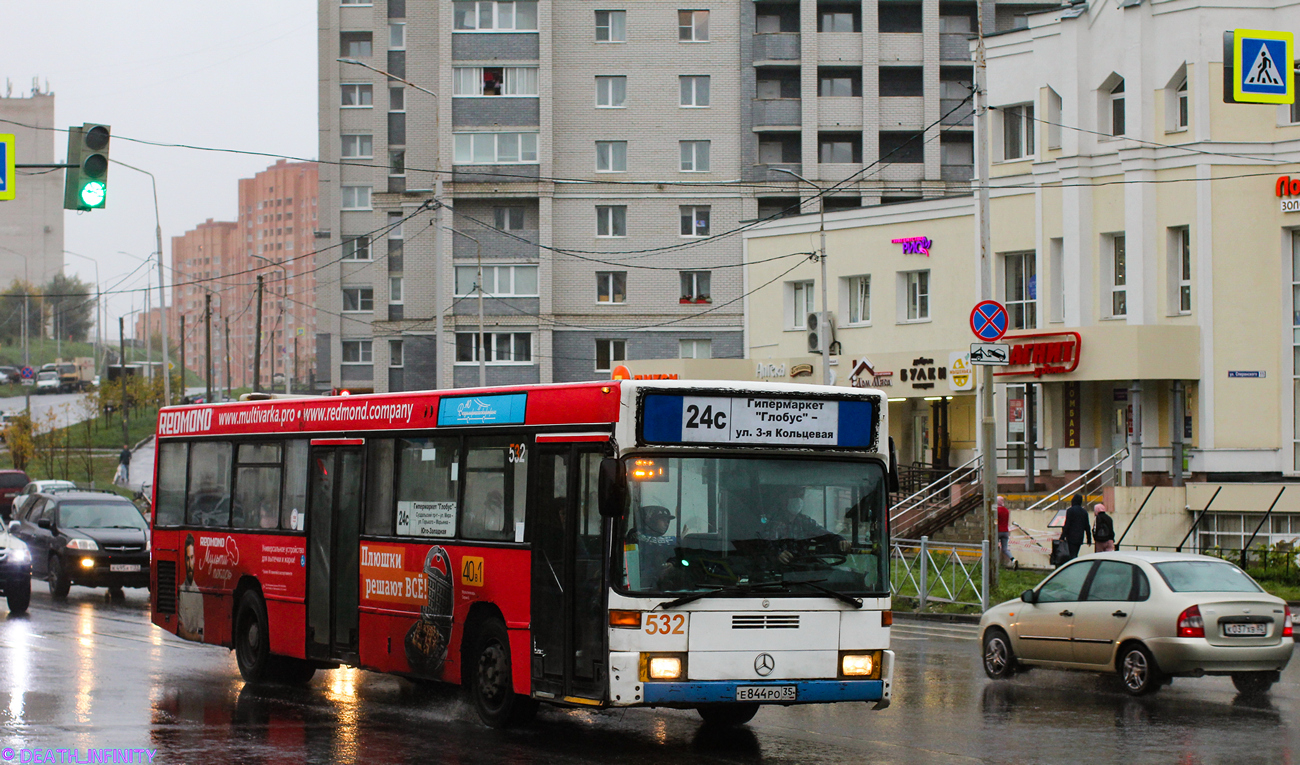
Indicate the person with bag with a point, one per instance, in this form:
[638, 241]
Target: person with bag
[1076, 527]
[1004, 534]
[1103, 530]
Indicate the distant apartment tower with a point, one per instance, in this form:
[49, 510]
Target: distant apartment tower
[31, 224]
[597, 158]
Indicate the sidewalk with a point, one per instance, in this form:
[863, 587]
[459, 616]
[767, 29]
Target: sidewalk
[142, 457]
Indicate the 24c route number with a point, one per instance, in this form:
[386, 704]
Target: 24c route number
[705, 419]
[665, 624]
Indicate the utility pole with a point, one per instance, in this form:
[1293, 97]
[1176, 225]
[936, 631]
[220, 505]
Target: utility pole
[988, 425]
[295, 357]
[148, 336]
[121, 339]
[227, 357]
[207, 339]
[257, 342]
[826, 311]
[182, 339]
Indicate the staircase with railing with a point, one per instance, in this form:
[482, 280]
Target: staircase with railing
[1088, 483]
[940, 503]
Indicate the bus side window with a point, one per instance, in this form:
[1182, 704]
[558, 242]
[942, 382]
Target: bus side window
[293, 509]
[257, 486]
[379, 509]
[426, 486]
[170, 510]
[208, 503]
[495, 481]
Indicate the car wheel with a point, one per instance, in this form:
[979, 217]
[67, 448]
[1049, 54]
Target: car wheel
[490, 680]
[58, 578]
[253, 639]
[1254, 683]
[1138, 672]
[728, 715]
[19, 596]
[116, 593]
[999, 661]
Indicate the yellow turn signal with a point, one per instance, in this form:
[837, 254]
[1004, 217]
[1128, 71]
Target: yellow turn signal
[628, 620]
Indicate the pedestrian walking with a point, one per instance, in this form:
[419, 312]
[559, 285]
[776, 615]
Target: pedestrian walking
[123, 466]
[1004, 534]
[1103, 529]
[1076, 527]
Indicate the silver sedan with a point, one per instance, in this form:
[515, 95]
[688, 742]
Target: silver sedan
[1147, 617]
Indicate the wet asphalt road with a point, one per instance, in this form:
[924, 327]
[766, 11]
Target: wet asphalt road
[89, 673]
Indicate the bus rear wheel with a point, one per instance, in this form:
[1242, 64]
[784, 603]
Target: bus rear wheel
[490, 680]
[727, 714]
[252, 639]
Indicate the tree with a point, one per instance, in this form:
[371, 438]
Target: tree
[11, 312]
[70, 304]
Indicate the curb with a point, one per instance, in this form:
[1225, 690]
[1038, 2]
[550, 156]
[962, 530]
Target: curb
[925, 617]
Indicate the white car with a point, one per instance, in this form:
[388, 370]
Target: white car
[36, 487]
[1147, 617]
[47, 382]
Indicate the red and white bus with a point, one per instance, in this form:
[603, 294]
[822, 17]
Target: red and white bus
[703, 545]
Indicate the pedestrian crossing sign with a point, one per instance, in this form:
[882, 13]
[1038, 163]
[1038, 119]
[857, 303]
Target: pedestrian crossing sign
[1263, 68]
[7, 190]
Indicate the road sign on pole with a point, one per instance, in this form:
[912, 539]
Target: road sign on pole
[988, 320]
[27, 373]
[7, 190]
[1258, 67]
[990, 354]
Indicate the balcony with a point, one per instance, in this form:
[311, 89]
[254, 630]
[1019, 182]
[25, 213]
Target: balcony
[836, 47]
[769, 172]
[778, 112]
[837, 172]
[496, 244]
[900, 47]
[959, 173]
[954, 47]
[902, 171]
[780, 46]
[839, 112]
[497, 174]
[488, 46]
[963, 116]
[499, 110]
[906, 112]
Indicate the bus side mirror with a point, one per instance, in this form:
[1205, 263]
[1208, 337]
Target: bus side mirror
[893, 466]
[612, 487]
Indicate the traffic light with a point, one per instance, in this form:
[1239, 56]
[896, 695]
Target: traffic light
[86, 183]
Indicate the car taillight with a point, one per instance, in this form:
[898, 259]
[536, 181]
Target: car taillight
[1190, 623]
[1288, 627]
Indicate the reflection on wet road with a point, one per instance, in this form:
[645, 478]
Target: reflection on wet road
[88, 673]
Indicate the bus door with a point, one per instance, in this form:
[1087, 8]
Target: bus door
[568, 590]
[333, 530]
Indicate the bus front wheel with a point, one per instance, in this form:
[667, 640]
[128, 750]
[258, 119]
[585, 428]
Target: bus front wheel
[489, 680]
[727, 714]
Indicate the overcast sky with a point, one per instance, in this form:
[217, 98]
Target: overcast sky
[236, 74]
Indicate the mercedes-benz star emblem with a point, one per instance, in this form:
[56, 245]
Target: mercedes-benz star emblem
[764, 664]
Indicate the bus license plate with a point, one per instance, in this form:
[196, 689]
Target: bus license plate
[1246, 628]
[126, 568]
[765, 693]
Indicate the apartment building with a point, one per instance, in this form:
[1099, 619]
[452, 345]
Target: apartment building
[31, 224]
[274, 238]
[600, 160]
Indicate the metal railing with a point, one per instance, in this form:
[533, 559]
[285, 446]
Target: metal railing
[941, 490]
[940, 572]
[1089, 482]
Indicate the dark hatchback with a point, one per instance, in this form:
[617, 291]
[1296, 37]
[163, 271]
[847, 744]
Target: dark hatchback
[87, 538]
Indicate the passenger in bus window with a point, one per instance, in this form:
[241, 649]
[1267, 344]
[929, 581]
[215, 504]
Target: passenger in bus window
[190, 606]
[655, 547]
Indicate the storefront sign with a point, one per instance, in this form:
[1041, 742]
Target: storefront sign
[1070, 401]
[1047, 353]
[804, 370]
[961, 375]
[864, 375]
[1015, 415]
[915, 245]
[769, 371]
[923, 373]
[1286, 186]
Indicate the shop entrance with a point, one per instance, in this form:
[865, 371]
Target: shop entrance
[1121, 419]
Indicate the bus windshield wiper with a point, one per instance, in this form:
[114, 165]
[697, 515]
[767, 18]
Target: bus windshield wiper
[828, 592]
[734, 589]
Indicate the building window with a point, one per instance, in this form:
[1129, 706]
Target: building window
[1180, 268]
[395, 353]
[357, 352]
[509, 218]
[491, 16]
[397, 36]
[611, 26]
[918, 295]
[396, 162]
[840, 83]
[906, 82]
[502, 347]
[611, 220]
[355, 44]
[611, 156]
[498, 281]
[839, 18]
[609, 353]
[801, 303]
[356, 248]
[396, 99]
[1184, 115]
[494, 81]
[694, 90]
[357, 95]
[496, 148]
[693, 26]
[611, 91]
[695, 349]
[1118, 277]
[1117, 109]
[899, 17]
[695, 156]
[695, 220]
[611, 287]
[394, 226]
[395, 290]
[358, 299]
[859, 299]
[357, 146]
[839, 148]
[1021, 290]
[1017, 131]
[355, 197]
[1293, 111]
[695, 287]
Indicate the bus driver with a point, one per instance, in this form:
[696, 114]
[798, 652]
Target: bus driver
[782, 520]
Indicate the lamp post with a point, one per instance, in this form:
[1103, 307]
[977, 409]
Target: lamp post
[99, 327]
[284, 323]
[162, 285]
[438, 365]
[826, 311]
[478, 287]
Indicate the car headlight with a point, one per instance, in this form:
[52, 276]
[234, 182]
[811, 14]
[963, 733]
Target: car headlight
[82, 544]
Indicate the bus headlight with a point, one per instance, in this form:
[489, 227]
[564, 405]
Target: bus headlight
[663, 666]
[859, 664]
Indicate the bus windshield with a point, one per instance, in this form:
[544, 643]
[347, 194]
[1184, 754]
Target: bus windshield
[701, 523]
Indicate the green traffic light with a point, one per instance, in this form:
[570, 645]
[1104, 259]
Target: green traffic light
[92, 194]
